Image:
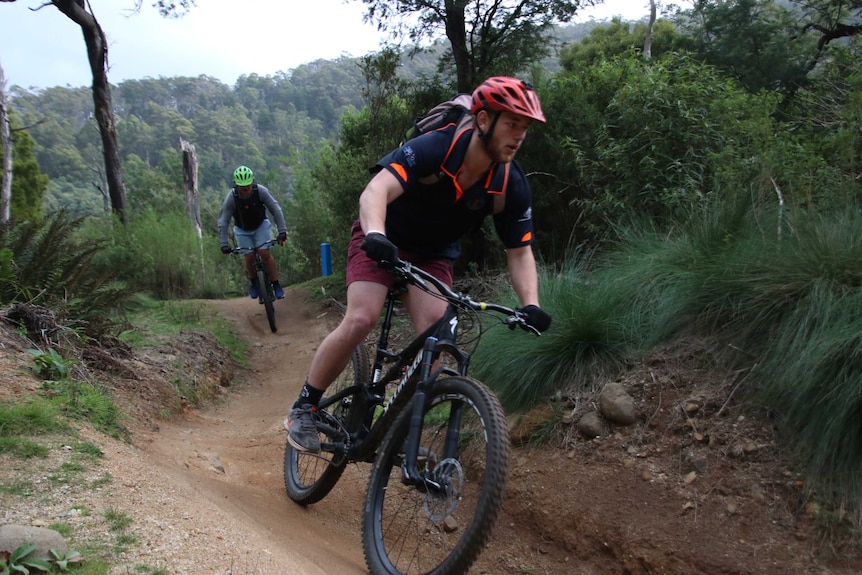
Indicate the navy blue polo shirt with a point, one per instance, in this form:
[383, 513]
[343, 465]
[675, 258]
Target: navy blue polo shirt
[431, 216]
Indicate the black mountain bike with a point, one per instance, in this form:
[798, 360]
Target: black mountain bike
[439, 441]
[266, 293]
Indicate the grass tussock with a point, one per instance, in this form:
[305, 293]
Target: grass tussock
[782, 302]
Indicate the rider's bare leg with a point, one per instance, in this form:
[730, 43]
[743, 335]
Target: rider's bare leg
[364, 303]
[424, 308]
[249, 266]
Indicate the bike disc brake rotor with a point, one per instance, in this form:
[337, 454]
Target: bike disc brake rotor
[440, 504]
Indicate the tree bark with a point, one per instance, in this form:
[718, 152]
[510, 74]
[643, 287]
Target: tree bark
[190, 184]
[650, 28]
[456, 32]
[97, 55]
[6, 143]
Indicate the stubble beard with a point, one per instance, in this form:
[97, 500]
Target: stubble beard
[499, 153]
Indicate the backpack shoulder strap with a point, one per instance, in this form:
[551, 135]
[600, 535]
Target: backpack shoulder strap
[462, 102]
[499, 183]
[237, 212]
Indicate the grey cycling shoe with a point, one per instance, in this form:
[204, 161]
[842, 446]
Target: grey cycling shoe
[301, 431]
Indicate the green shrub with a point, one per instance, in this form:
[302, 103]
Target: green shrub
[56, 267]
[21, 562]
[50, 365]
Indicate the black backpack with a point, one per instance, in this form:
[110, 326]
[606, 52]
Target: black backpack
[457, 111]
[255, 196]
[454, 111]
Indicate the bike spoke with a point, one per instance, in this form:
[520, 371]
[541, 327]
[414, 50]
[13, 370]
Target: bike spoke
[308, 477]
[421, 528]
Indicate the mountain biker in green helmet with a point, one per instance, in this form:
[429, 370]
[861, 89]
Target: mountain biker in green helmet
[423, 198]
[247, 203]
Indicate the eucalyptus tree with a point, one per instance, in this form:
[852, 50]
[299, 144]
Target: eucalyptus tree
[23, 185]
[6, 148]
[54, 117]
[616, 38]
[486, 37]
[756, 41]
[97, 56]
[29, 185]
[830, 20]
[81, 13]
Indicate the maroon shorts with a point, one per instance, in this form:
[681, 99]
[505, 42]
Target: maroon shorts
[362, 268]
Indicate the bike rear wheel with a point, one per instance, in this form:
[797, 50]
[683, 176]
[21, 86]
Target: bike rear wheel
[309, 477]
[267, 297]
[408, 531]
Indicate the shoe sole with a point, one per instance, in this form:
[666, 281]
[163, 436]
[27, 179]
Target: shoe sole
[293, 443]
[298, 447]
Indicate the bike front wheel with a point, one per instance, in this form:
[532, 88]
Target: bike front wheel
[267, 297]
[309, 477]
[464, 447]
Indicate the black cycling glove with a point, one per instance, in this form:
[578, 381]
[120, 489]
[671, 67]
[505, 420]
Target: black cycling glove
[380, 249]
[282, 237]
[537, 317]
[225, 249]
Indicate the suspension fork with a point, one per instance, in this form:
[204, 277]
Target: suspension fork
[409, 467]
[444, 335]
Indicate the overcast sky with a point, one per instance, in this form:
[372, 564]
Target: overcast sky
[220, 38]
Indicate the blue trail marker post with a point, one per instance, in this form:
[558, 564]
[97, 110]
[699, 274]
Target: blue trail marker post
[326, 258]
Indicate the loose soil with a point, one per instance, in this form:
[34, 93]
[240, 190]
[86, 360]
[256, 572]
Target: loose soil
[693, 488]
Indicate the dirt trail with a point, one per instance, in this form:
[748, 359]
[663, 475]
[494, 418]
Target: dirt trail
[244, 436]
[207, 488]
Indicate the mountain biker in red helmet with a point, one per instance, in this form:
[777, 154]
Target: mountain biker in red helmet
[247, 203]
[423, 198]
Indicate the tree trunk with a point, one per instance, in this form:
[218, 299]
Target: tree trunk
[97, 54]
[190, 184]
[650, 27]
[6, 143]
[456, 32]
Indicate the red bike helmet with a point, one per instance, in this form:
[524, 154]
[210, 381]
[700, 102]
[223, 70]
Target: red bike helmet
[501, 93]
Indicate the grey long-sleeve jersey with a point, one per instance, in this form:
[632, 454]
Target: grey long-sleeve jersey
[228, 209]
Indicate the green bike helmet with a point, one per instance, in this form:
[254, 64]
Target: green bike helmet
[243, 176]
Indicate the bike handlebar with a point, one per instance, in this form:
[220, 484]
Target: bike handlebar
[420, 278]
[267, 244]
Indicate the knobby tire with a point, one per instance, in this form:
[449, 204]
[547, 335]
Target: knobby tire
[266, 297]
[408, 532]
[309, 477]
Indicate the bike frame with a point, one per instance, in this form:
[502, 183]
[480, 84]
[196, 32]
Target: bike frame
[411, 368]
[422, 422]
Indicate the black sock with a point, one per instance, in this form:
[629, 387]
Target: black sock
[308, 396]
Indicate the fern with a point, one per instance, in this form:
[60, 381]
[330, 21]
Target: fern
[51, 264]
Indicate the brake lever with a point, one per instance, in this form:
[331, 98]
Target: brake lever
[518, 320]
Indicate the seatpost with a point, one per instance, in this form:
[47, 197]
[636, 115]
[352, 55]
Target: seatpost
[383, 340]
